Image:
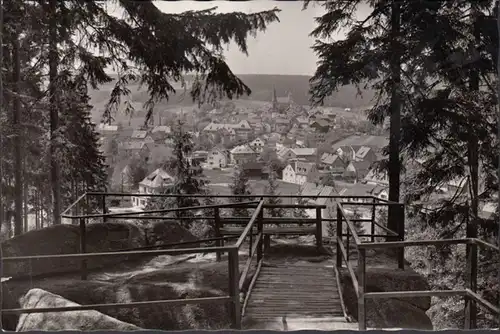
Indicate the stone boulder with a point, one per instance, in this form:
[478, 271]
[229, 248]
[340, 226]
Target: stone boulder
[65, 239]
[73, 320]
[407, 313]
[185, 280]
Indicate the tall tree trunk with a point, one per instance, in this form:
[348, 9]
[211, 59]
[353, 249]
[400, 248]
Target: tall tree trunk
[54, 114]
[395, 116]
[498, 133]
[16, 124]
[2, 210]
[473, 162]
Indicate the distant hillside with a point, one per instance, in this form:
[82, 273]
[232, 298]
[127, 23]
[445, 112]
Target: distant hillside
[262, 89]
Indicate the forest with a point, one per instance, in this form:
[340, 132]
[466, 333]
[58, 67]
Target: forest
[433, 66]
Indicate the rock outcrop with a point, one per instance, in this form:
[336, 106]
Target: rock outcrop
[65, 239]
[190, 280]
[88, 320]
[407, 313]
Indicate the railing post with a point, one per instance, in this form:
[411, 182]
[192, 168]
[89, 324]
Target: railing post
[401, 236]
[373, 220]
[260, 230]
[319, 228]
[470, 304]
[339, 236]
[83, 248]
[234, 289]
[218, 242]
[361, 289]
[104, 219]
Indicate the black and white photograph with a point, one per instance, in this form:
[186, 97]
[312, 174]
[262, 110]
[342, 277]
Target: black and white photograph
[249, 165]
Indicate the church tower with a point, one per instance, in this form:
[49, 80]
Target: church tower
[275, 100]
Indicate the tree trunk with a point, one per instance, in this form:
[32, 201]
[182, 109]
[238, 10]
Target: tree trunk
[16, 124]
[54, 115]
[473, 146]
[2, 211]
[395, 117]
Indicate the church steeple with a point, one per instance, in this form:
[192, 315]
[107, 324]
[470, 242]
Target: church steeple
[275, 100]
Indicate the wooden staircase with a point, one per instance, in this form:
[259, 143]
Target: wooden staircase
[300, 292]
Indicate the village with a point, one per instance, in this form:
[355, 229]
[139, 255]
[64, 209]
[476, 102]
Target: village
[317, 151]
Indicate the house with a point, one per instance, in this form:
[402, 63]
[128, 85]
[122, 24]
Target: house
[142, 135]
[199, 156]
[366, 153]
[154, 183]
[160, 133]
[381, 192]
[320, 125]
[133, 148]
[358, 189]
[256, 170]
[242, 130]
[350, 174]
[243, 153]
[285, 153]
[300, 172]
[376, 177]
[281, 125]
[308, 154]
[106, 129]
[257, 145]
[333, 163]
[217, 158]
[301, 122]
[375, 142]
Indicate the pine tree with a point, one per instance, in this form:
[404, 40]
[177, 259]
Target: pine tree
[188, 177]
[370, 55]
[271, 189]
[240, 186]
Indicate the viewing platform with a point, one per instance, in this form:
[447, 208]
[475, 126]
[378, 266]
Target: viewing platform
[318, 284]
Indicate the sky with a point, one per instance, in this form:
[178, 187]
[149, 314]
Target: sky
[284, 48]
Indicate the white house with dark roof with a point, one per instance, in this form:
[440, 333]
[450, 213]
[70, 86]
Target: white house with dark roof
[218, 158]
[257, 144]
[300, 172]
[152, 184]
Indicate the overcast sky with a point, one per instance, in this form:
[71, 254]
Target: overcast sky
[284, 48]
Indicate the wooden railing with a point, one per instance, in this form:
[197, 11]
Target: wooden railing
[235, 279]
[472, 299]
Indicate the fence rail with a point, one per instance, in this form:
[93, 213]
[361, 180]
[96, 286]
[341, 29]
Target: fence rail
[472, 299]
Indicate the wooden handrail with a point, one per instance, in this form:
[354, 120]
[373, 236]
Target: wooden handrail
[350, 225]
[205, 300]
[253, 251]
[186, 208]
[483, 302]
[179, 251]
[250, 224]
[349, 267]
